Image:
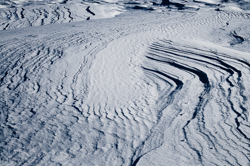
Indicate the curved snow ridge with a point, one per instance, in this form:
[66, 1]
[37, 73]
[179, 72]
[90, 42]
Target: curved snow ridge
[207, 120]
[58, 97]
[120, 102]
[28, 16]
[20, 16]
[39, 81]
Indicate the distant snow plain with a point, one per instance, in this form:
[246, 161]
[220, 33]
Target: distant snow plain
[134, 83]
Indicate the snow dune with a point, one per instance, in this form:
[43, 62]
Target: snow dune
[142, 88]
[24, 13]
[37, 15]
[208, 98]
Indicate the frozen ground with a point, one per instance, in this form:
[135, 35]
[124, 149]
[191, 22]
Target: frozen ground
[163, 83]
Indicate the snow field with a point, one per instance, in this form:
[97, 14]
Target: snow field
[150, 89]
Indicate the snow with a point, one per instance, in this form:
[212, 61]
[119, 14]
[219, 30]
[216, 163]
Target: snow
[124, 83]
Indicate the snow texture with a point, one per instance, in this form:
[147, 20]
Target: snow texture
[132, 83]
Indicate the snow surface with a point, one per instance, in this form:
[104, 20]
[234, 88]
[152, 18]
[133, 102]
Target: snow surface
[124, 83]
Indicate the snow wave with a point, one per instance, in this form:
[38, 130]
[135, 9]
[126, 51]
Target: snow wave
[205, 108]
[29, 16]
[19, 14]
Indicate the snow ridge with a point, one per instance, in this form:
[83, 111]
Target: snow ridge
[211, 118]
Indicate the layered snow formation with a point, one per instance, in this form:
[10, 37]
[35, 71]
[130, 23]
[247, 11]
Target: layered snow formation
[164, 83]
[27, 13]
[19, 14]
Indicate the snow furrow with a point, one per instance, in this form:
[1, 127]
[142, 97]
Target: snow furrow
[200, 133]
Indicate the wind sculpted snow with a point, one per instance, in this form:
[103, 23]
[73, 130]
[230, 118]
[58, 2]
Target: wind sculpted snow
[25, 13]
[142, 88]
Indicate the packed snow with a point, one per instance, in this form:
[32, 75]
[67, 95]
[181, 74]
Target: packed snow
[131, 83]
